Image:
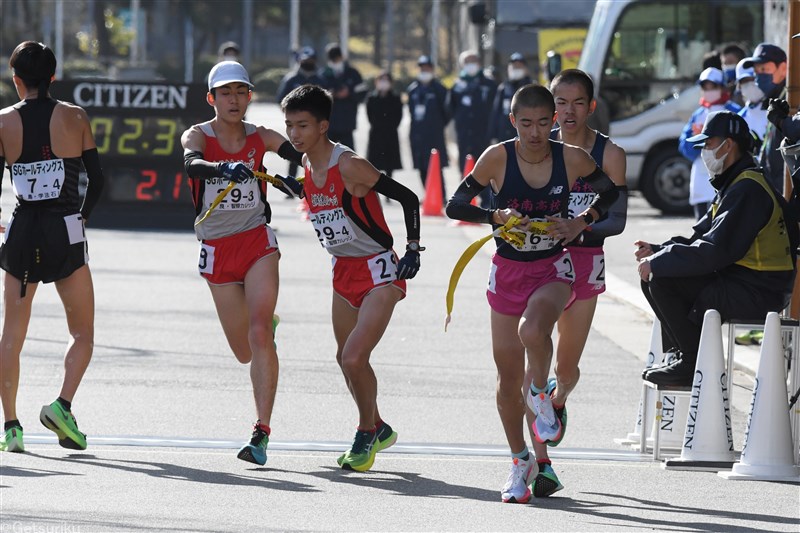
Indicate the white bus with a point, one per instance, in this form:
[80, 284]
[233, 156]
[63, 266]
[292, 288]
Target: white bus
[645, 57]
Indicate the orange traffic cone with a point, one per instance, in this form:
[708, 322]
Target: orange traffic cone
[469, 164]
[432, 204]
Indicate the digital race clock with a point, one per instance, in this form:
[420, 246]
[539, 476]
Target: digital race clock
[137, 128]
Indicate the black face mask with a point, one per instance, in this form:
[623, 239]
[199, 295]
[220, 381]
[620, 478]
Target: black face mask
[308, 67]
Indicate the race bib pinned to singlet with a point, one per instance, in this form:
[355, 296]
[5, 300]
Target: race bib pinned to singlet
[536, 237]
[580, 202]
[37, 181]
[332, 227]
[206, 262]
[243, 196]
[383, 267]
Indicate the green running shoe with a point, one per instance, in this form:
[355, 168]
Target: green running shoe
[561, 413]
[62, 422]
[256, 450]
[12, 440]
[546, 482]
[361, 454]
[385, 437]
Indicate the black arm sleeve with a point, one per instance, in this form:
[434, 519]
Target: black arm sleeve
[197, 167]
[288, 152]
[460, 208]
[408, 200]
[606, 190]
[96, 181]
[614, 223]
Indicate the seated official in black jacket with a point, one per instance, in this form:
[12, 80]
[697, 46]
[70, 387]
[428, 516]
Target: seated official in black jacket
[740, 260]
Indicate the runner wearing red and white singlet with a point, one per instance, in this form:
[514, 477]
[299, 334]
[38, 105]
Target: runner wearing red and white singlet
[368, 279]
[238, 251]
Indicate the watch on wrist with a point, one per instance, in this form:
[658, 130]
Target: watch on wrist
[588, 218]
[414, 246]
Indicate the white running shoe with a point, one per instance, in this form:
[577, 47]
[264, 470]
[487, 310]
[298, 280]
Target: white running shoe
[546, 426]
[516, 488]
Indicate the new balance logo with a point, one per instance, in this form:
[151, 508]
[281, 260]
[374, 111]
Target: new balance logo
[556, 190]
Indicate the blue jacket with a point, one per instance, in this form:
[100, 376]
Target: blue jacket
[345, 110]
[294, 79]
[699, 116]
[500, 127]
[470, 103]
[427, 106]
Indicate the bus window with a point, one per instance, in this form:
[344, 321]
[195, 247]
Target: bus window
[657, 49]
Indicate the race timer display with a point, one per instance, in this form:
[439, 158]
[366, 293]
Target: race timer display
[137, 128]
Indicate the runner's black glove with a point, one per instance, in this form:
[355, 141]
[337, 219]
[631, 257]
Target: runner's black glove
[237, 172]
[292, 185]
[408, 266]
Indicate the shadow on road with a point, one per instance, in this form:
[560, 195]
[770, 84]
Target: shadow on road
[405, 484]
[616, 511]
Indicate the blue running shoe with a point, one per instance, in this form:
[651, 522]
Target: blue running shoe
[256, 450]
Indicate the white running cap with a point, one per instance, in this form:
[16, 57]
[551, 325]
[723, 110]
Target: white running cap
[226, 72]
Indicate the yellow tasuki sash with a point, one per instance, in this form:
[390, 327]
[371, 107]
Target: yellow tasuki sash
[515, 238]
[221, 196]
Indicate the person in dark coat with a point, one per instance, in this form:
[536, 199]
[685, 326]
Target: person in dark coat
[348, 89]
[500, 127]
[384, 111]
[470, 103]
[305, 73]
[427, 99]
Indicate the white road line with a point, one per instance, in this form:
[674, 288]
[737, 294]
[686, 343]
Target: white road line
[337, 447]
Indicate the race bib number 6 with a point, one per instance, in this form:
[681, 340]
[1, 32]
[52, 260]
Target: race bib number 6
[536, 238]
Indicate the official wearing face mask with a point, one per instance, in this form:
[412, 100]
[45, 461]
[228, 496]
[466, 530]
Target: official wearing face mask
[754, 112]
[427, 106]
[304, 72]
[740, 259]
[348, 89]
[470, 103]
[769, 64]
[714, 97]
[500, 127]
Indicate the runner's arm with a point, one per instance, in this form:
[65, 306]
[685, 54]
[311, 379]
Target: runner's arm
[91, 161]
[459, 206]
[614, 165]
[407, 199]
[606, 190]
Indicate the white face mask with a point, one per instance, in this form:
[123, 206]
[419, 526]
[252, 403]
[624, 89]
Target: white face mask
[515, 74]
[711, 161]
[337, 67]
[383, 85]
[471, 69]
[425, 77]
[712, 96]
[752, 94]
[230, 57]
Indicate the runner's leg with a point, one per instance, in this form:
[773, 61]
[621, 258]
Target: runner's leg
[261, 295]
[15, 328]
[77, 294]
[573, 330]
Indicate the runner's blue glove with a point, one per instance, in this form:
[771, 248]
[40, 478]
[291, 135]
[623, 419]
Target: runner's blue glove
[237, 172]
[291, 184]
[408, 266]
